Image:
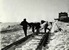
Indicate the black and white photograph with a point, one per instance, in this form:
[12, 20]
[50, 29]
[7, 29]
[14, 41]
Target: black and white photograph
[34, 24]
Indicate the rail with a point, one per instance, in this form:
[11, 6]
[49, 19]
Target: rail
[17, 42]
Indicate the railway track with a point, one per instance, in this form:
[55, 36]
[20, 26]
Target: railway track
[28, 43]
[12, 45]
[31, 44]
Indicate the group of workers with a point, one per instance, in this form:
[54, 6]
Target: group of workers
[35, 26]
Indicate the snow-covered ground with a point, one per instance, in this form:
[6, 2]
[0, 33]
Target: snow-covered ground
[31, 43]
[12, 36]
[59, 40]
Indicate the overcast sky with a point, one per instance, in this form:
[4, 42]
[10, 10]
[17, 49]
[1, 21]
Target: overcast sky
[32, 10]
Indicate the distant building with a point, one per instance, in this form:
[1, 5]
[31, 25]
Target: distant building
[63, 16]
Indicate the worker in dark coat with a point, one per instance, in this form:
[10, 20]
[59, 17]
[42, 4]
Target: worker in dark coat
[32, 25]
[37, 27]
[24, 23]
[46, 27]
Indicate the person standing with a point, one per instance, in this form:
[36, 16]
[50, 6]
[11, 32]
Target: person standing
[33, 27]
[24, 23]
[46, 27]
[37, 27]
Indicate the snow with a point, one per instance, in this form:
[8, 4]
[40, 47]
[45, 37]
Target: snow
[32, 45]
[59, 40]
[10, 37]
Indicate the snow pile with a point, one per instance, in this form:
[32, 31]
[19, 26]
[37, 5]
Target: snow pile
[59, 40]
